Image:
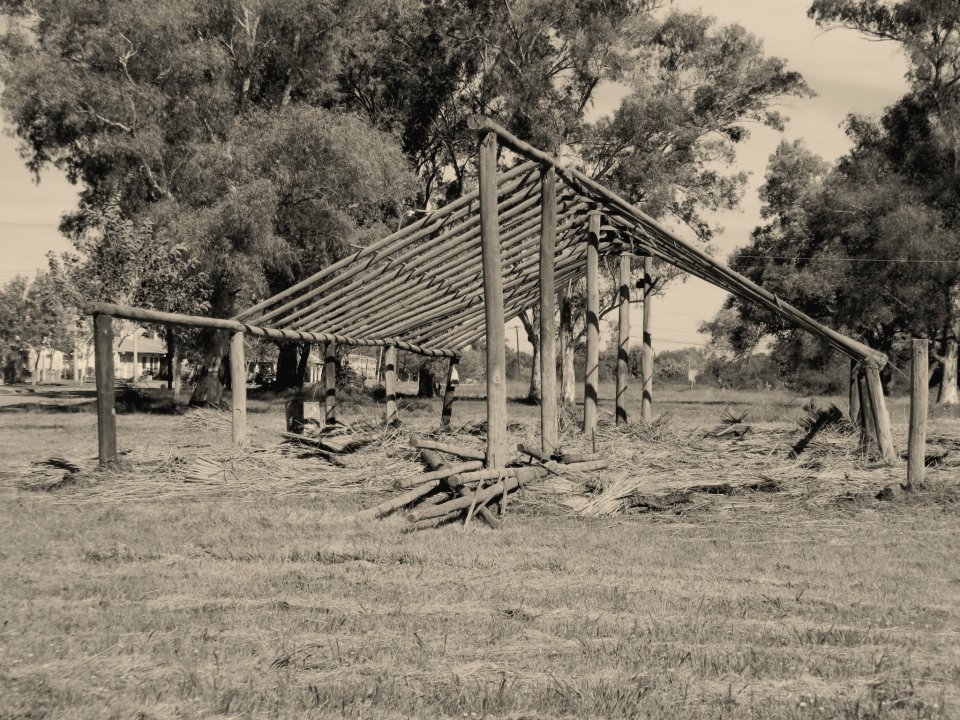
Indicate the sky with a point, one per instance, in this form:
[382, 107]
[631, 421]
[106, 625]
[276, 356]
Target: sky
[849, 74]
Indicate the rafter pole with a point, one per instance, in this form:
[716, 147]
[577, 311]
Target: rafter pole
[493, 305]
[549, 430]
[592, 365]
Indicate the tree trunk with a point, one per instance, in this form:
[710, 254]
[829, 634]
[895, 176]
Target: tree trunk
[533, 337]
[567, 386]
[288, 372]
[948, 380]
[214, 371]
[427, 382]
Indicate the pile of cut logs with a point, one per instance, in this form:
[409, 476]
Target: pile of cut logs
[463, 488]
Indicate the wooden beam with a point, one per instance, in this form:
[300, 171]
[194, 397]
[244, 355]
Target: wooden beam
[591, 378]
[330, 380]
[549, 426]
[165, 318]
[919, 398]
[853, 403]
[646, 364]
[623, 340]
[106, 400]
[390, 383]
[238, 388]
[450, 392]
[493, 305]
[881, 418]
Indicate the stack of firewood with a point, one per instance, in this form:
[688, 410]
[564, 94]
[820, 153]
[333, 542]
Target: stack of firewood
[461, 488]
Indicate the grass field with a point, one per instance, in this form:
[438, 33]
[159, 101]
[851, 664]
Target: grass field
[222, 603]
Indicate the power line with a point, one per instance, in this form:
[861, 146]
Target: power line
[6, 223]
[895, 261]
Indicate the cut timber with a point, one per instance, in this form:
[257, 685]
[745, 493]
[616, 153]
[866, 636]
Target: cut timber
[919, 399]
[881, 418]
[441, 473]
[568, 458]
[533, 452]
[646, 358]
[623, 341]
[238, 389]
[435, 462]
[493, 304]
[106, 401]
[591, 378]
[465, 453]
[549, 428]
[395, 503]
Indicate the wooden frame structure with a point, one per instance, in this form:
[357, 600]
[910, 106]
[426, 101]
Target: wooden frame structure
[454, 277]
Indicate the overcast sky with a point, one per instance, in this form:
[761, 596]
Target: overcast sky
[848, 73]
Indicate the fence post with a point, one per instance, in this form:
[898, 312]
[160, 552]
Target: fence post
[238, 388]
[106, 399]
[919, 397]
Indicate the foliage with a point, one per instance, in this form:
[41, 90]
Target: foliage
[33, 317]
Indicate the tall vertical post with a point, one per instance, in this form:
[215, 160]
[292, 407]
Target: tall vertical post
[238, 388]
[868, 428]
[493, 304]
[854, 401]
[450, 392]
[881, 418]
[623, 340]
[106, 402]
[330, 377]
[390, 383]
[592, 365]
[646, 364]
[549, 432]
[919, 398]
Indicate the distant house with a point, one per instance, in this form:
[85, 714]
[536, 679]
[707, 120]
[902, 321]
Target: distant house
[140, 354]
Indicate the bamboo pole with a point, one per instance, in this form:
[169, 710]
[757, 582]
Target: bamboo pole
[646, 364]
[623, 344]
[390, 383]
[450, 392]
[853, 403]
[881, 417]
[592, 365]
[919, 391]
[238, 388]
[330, 380]
[105, 375]
[493, 304]
[421, 443]
[549, 429]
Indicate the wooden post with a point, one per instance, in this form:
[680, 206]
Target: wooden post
[623, 344]
[390, 383]
[173, 364]
[106, 403]
[592, 364]
[238, 388]
[450, 392]
[919, 391]
[646, 364]
[549, 431]
[330, 376]
[868, 430]
[881, 418]
[854, 401]
[493, 304]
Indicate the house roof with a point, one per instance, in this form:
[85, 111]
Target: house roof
[145, 345]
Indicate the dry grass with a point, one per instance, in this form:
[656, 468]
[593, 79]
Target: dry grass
[136, 594]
